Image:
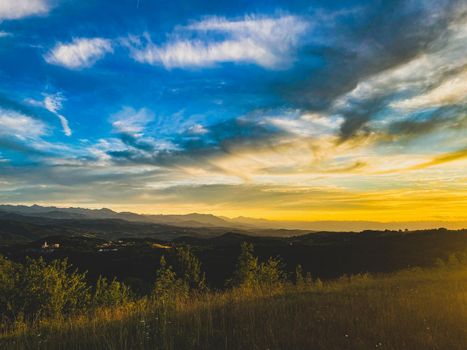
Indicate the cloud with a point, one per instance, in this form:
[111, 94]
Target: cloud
[308, 124]
[53, 103]
[441, 159]
[15, 9]
[21, 126]
[133, 146]
[434, 77]
[439, 120]
[453, 156]
[131, 121]
[450, 92]
[187, 149]
[80, 53]
[197, 129]
[65, 126]
[391, 72]
[385, 52]
[267, 42]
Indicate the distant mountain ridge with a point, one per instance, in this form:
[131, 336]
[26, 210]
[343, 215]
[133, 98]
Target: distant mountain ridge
[196, 220]
[344, 226]
[188, 220]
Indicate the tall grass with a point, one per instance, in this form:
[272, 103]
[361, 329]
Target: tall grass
[413, 309]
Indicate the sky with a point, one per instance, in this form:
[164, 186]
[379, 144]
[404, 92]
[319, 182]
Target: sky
[287, 110]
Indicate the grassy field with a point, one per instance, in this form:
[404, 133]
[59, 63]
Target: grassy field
[416, 309]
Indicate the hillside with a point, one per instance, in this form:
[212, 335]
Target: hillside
[326, 255]
[412, 309]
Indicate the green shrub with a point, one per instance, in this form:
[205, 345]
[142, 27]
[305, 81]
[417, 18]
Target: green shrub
[271, 273]
[110, 294]
[39, 290]
[9, 278]
[189, 270]
[245, 274]
[250, 274]
[299, 277]
[168, 287]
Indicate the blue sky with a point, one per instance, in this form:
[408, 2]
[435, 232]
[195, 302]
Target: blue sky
[281, 109]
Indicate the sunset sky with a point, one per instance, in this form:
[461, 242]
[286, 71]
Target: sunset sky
[288, 110]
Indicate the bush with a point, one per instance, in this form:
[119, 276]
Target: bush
[168, 287]
[110, 294]
[270, 273]
[9, 278]
[299, 277]
[38, 290]
[245, 274]
[250, 274]
[189, 270]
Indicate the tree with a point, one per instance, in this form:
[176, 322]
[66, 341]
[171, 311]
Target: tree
[299, 278]
[52, 290]
[270, 273]
[189, 269]
[250, 274]
[245, 274]
[110, 294]
[167, 286]
[9, 277]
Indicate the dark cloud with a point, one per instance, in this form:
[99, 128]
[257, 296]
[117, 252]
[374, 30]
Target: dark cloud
[136, 142]
[363, 43]
[376, 38]
[448, 117]
[77, 176]
[357, 116]
[12, 144]
[219, 139]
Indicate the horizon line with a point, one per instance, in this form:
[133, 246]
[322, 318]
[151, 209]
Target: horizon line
[231, 217]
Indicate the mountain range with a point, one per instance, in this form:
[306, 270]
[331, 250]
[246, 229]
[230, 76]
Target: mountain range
[196, 220]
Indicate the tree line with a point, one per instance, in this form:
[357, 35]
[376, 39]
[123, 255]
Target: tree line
[36, 289]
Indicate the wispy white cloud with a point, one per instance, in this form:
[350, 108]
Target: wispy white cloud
[65, 125]
[308, 124]
[452, 91]
[131, 121]
[13, 123]
[15, 9]
[197, 129]
[53, 103]
[4, 34]
[80, 53]
[267, 42]
[446, 56]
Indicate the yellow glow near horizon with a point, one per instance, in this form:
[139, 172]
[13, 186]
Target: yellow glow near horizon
[383, 206]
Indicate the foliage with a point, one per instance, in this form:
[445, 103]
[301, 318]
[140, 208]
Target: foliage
[250, 274]
[416, 308]
[245, 274]
[299, 277]
[412, 309]
[110, 294]
[37, 289]
[271, 273]
[168, 286]
[52, 289]
[9, 280]
[189, 269]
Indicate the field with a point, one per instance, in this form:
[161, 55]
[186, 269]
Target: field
[410, 309]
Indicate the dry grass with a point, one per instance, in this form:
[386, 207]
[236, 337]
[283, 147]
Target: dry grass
[415, 309]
